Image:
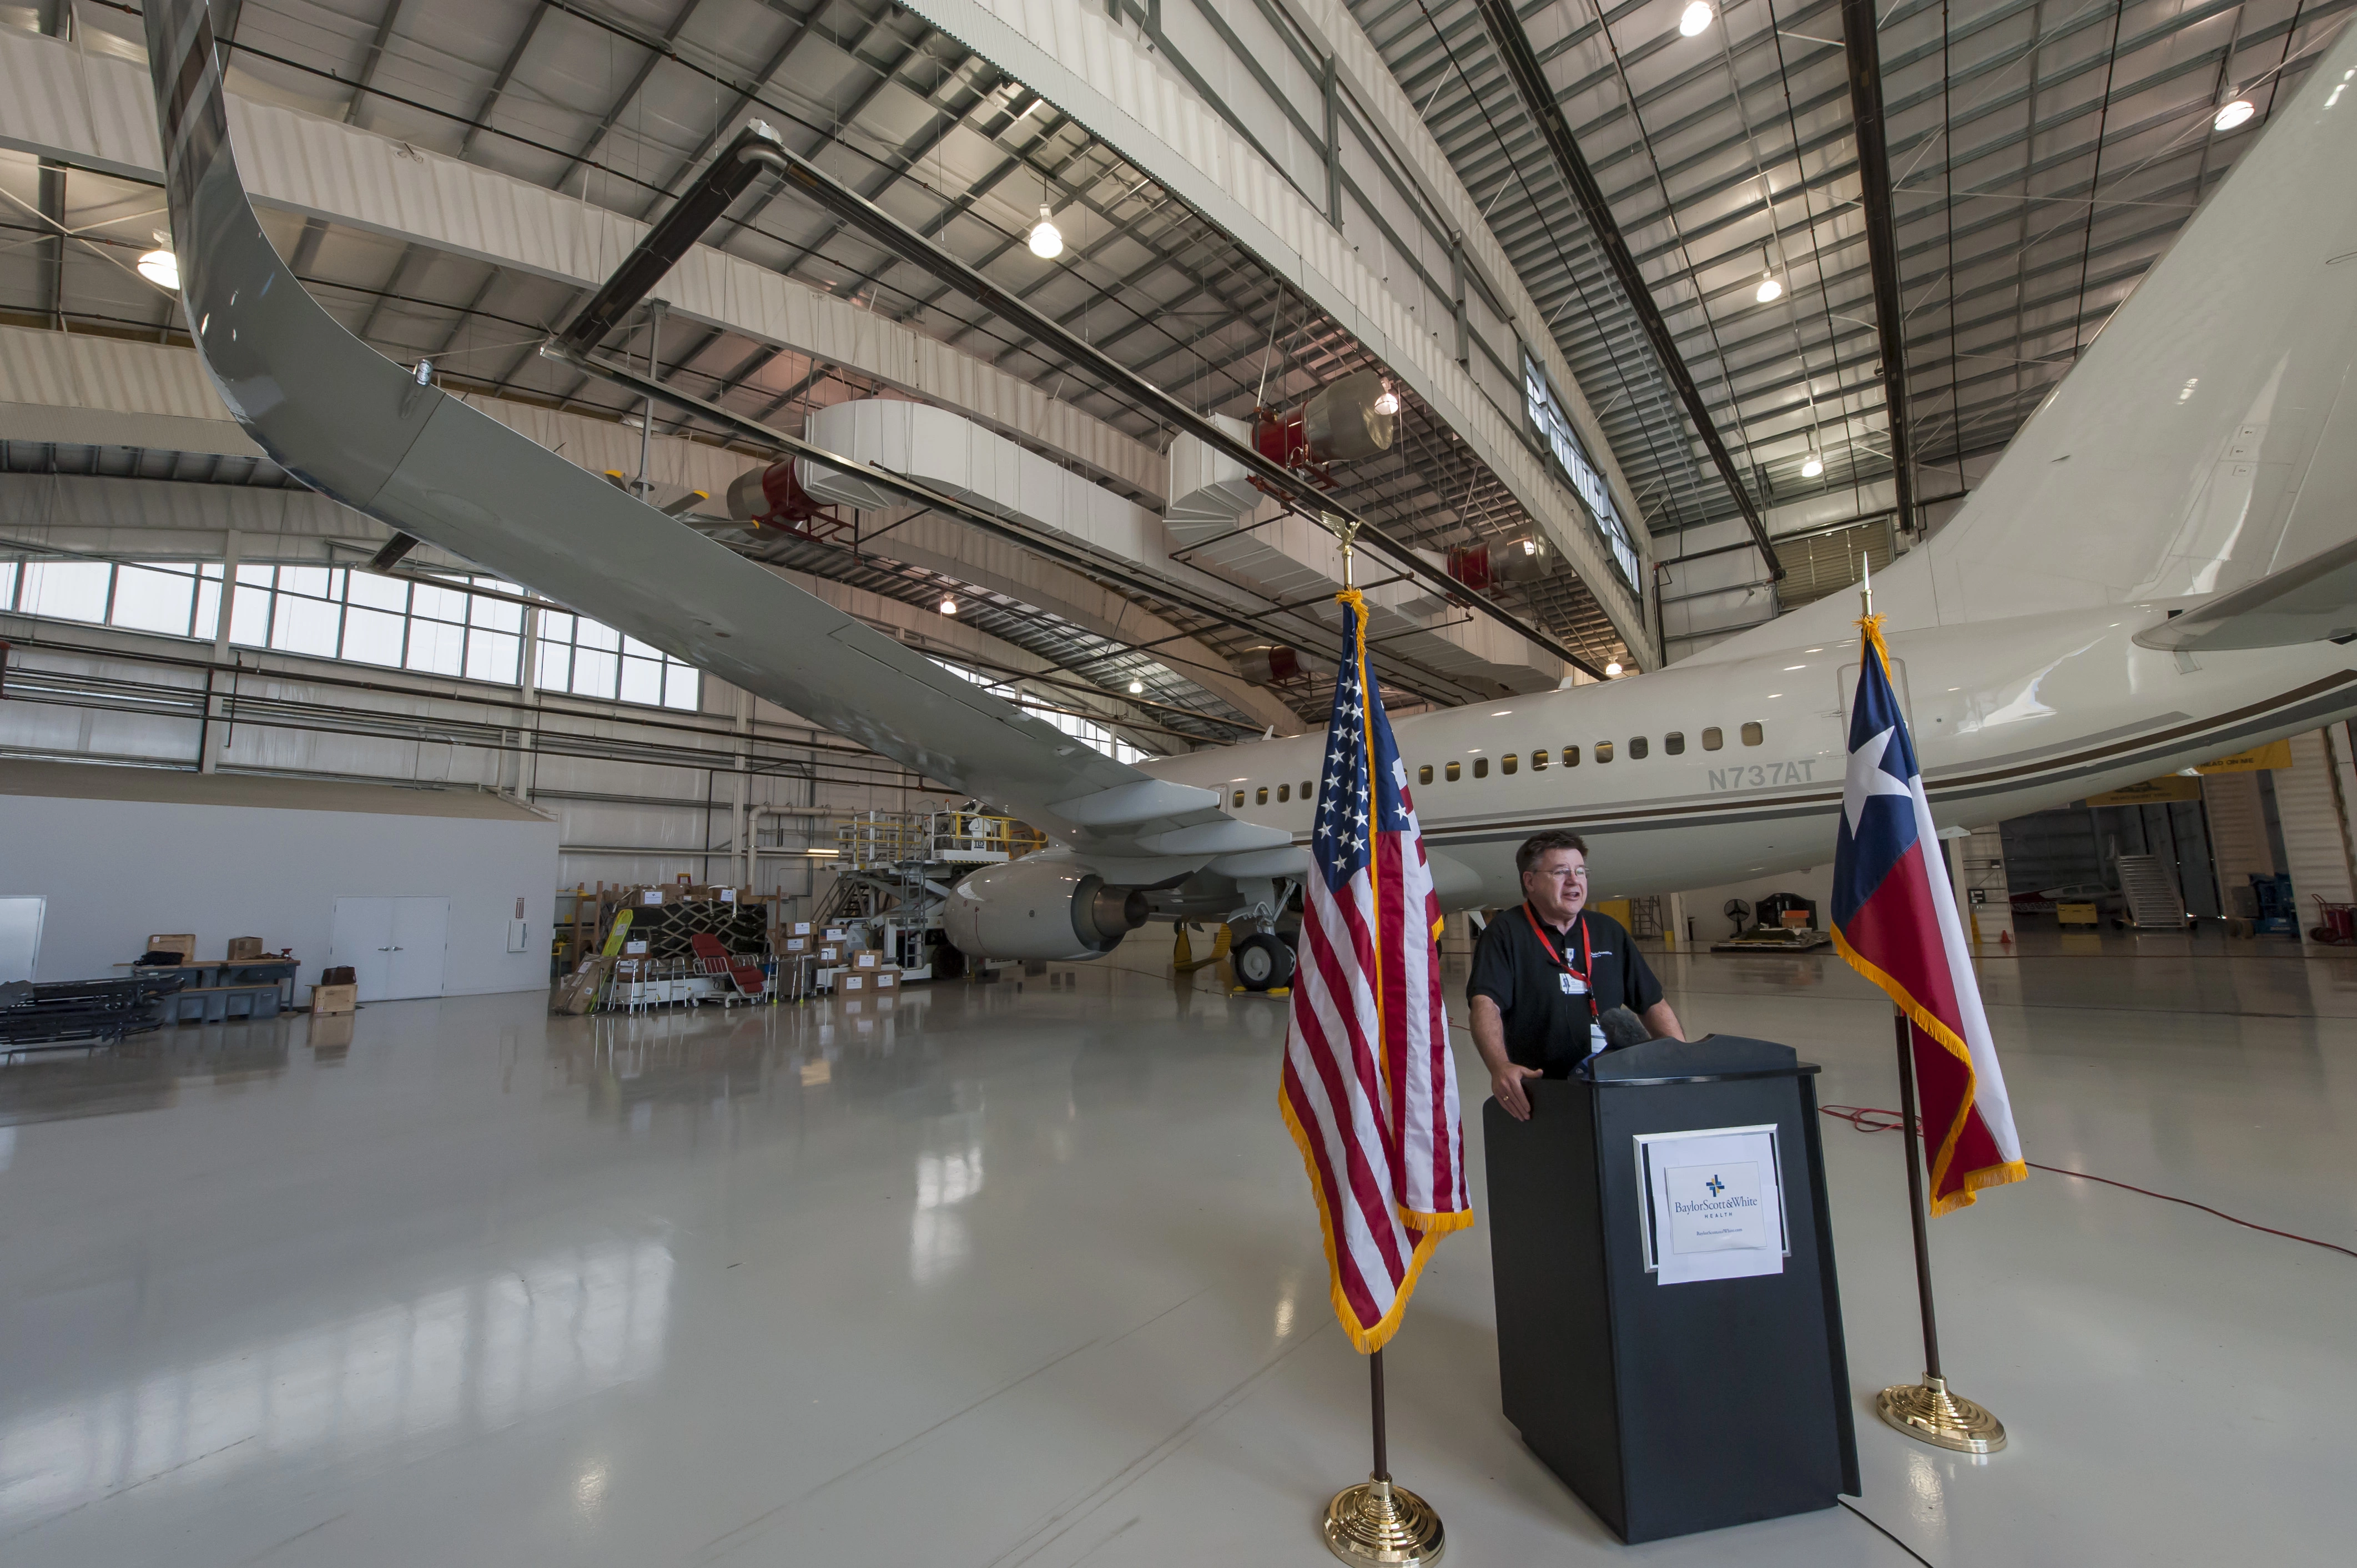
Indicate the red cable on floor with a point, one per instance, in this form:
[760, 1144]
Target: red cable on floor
[1888, 1121]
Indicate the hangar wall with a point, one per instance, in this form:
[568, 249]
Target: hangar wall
[121, 853]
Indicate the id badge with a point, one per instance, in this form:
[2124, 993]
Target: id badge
[1572, 984]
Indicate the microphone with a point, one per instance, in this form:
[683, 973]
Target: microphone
[1623, 1027]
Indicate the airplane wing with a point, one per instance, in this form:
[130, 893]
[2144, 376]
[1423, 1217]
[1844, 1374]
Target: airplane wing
[358, 428]
[2307, 601]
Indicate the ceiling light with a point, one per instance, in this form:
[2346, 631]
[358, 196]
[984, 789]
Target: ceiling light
[1136, 687]
[1694, 18]
[162, 268]
[1614, 668]
[949, 605]
[1387, 403]
[1768, 289]
[1811, 466]
[2233, 114]
[1046, 240]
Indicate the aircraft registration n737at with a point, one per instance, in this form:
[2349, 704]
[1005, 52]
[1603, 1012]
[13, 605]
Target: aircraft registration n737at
[2161, 568]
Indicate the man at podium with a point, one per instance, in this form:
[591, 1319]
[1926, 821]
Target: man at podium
[1546, 973]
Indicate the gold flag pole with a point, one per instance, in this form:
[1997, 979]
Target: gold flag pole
[1376, 1521]
[1926, 1412]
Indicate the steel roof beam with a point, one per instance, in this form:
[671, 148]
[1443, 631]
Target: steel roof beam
[1513, 47]
[912, 247]
[1863, 53]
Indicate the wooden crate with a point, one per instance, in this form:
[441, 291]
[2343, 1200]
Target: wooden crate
[330, 999]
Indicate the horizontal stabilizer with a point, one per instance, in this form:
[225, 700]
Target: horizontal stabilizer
[2309, 601]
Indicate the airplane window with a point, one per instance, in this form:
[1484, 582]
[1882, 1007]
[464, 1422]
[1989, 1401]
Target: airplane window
[1637, 748]
[1603, 751]
[1239, 799]
[1454, 772]
[1260, 798]
[1506, 763]
[1283, 792]
[1571, 757]
[1424, 774]
[1753, 734]
[1711, 739]
[1674, 743]
[1538, 760]
[1306, 791]
[1480, 767]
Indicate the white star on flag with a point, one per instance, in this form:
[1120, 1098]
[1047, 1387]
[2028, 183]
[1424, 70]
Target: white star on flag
[1869, 781]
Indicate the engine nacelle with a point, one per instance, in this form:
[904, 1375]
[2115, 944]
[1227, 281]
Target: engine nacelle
[1043, 908]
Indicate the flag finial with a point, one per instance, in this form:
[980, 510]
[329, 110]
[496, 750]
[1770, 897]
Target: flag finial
[1347, 531]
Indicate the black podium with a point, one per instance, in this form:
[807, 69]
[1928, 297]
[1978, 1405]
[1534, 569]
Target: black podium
[1671, 1407]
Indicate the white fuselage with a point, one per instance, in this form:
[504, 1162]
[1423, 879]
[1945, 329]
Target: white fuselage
[2008, 717]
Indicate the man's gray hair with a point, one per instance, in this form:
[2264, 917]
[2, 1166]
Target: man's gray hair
[1537, 844]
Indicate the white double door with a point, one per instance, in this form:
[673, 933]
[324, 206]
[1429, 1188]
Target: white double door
[394, 946]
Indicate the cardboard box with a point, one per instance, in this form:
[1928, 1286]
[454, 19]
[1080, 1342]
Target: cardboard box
[579, 992]
[2075, 914]
[866, 960]
[332, 999]
[243, 948]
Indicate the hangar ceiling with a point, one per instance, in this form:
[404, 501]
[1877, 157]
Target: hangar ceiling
[622, 105]
[2043, 155]
[1723, 155]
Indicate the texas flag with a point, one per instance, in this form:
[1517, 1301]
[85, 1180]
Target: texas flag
[1895, 920]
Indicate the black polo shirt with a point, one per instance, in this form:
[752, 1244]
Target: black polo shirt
[1545, 1027]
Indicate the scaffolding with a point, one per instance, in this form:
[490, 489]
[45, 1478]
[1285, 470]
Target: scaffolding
[894, 871]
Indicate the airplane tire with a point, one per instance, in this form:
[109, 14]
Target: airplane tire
[1262, 961]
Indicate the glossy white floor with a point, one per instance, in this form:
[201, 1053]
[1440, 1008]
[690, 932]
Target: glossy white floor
[1000, 1277]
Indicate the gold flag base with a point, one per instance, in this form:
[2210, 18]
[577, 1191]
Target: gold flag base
[1376, 1521]
[1927, 1413]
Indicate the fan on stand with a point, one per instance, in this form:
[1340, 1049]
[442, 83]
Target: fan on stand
[1739, 912]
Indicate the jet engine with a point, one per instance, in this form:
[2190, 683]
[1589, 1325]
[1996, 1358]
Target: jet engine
[1043, 908]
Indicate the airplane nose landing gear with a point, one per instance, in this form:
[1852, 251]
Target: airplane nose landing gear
[1262, 961]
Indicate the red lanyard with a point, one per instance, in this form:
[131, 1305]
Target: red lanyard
[1587, 960]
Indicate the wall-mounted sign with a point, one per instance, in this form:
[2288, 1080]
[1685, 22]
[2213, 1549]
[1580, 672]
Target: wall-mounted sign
[2151, 792]
[2275, 754]
[1554, 432]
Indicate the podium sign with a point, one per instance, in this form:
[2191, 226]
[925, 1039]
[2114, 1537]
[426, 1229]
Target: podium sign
[1711, 1204]
[1665, 1287]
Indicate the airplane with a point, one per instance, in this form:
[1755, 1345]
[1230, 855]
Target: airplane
[2160, 569]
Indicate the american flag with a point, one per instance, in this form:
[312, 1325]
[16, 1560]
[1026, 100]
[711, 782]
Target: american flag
[1370, 1086]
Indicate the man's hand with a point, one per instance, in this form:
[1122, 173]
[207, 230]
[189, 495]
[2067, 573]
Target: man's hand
[1505, 1078]
[1506, 1083]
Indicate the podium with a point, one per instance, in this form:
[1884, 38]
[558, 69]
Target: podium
[1671, 1403]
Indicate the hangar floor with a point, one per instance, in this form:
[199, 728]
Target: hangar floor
[1005, 1276]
